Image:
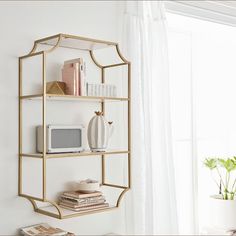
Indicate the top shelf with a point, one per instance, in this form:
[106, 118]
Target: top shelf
[75, 42]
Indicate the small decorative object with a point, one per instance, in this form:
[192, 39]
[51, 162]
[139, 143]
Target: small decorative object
[223, 206]
[88, 186]
[56, 87]
[101, 90]
[99, 132]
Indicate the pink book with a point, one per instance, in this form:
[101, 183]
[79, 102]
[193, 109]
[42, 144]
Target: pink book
[70, 75]
[81, 74]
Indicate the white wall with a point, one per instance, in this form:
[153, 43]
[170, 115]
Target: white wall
[21, 23]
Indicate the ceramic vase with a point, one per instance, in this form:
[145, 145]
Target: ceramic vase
[99, 132]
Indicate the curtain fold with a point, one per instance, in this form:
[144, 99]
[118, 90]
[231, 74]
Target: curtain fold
[153, 195]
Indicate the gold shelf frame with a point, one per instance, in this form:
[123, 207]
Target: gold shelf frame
[71, 97]
[79, 43]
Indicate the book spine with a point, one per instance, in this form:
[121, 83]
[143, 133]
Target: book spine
[108, 87]
[92, 89]
[88, 89]
[82, 196]
[82, 200]
[100, 90]
[77, 79]
[85, 204]
[101, 206]
[82, 75]
[114, 91]
[95, 90]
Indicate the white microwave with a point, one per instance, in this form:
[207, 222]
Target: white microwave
[61, 138]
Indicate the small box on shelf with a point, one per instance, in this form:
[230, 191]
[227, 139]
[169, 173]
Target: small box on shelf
[56, 87]
[101, 90]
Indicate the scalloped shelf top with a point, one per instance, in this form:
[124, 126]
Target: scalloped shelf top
[75, 42]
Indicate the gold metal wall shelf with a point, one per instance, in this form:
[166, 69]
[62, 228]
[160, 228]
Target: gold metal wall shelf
[74, 154]
[75, 98]
[89, 45]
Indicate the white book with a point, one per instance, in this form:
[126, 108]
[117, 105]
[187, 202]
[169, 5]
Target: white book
[107, 90]
[88, 90]
[95, 89]
[114, 91]
[92, 89]
[100, 90]
[110, 91]
[82, 74]
[103, 90]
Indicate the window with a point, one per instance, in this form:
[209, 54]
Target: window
[203, 100]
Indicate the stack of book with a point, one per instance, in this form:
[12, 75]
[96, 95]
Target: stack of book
[74, 76]
[79, 202]
[44, 230]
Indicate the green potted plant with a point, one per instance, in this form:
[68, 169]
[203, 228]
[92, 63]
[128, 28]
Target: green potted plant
[223, 205]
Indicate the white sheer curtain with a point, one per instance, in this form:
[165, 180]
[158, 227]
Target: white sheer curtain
[153, 195]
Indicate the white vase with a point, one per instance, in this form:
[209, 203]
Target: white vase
[99, 133]
[222, 213]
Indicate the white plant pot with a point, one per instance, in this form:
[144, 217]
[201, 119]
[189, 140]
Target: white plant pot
[99, 133]
[222, 213]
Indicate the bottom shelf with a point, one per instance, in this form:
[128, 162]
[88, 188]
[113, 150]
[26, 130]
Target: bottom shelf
[53, 209]
[53, 212]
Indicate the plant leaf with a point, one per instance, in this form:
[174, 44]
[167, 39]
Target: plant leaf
[210, 163]
[229, 164]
